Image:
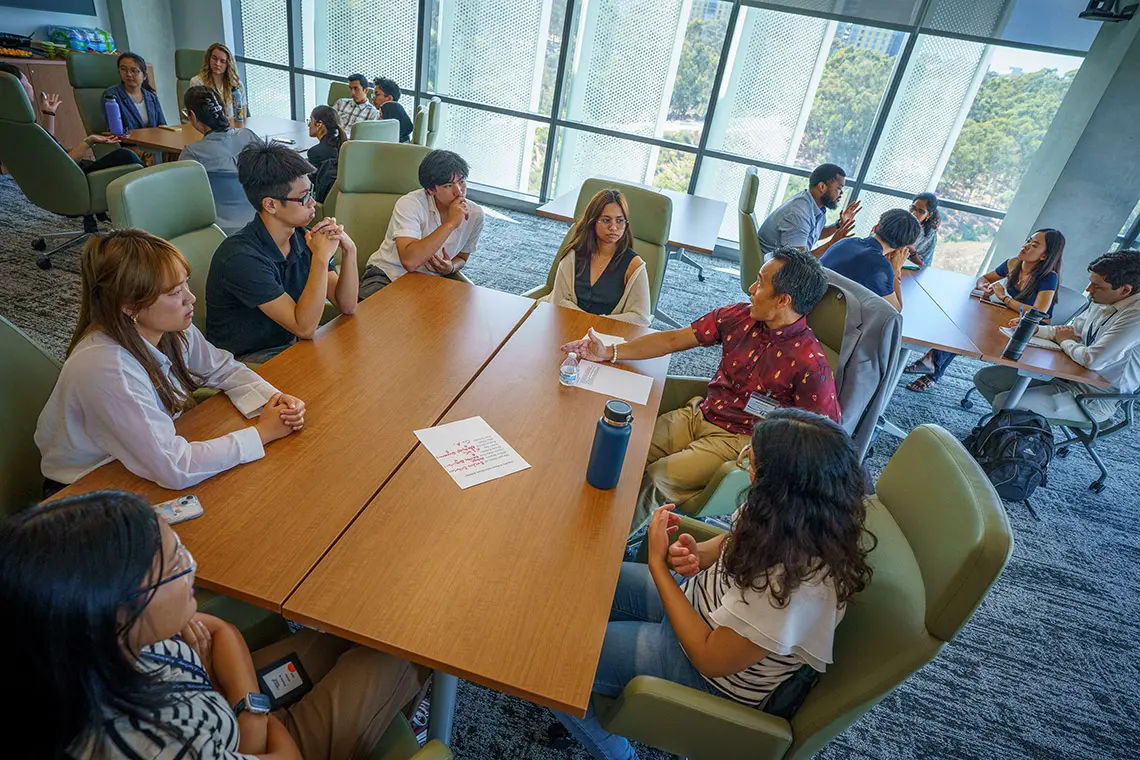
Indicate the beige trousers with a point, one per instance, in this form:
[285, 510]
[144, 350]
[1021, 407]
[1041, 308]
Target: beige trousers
[685, 453]
[356, 693]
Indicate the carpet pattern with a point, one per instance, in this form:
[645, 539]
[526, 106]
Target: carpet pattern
[1047, 667]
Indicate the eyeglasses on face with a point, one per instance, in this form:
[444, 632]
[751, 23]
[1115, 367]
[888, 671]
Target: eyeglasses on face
[619, 221]
[303, 199]
[182, 566]
[130, 70]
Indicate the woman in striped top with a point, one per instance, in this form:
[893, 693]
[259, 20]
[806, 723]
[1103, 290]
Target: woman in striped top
[114, 662]
[737, 615]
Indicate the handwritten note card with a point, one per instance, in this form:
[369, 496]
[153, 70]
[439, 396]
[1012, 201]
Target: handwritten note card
[470, 451]
[611, 381]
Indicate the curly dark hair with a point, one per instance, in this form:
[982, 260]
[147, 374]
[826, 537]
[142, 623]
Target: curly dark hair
[1119, 268]
[804, 511]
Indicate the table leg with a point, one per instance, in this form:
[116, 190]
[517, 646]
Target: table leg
[444, 688]
[1013, 397]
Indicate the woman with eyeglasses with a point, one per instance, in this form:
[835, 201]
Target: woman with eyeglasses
[138, 102]
[924, 208]
[219, 73]
[600, 272]
[113, 660]
[134, 361]
[740, 614]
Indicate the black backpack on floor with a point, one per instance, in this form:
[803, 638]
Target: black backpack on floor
[1014, 449]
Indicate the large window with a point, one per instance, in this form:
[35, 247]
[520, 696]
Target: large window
[952, 96]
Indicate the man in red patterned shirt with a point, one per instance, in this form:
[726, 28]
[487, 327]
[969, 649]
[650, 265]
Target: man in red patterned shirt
[770, 359]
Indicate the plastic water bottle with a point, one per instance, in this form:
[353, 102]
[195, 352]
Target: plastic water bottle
[568, 372]
[114, 116]
[611, 439]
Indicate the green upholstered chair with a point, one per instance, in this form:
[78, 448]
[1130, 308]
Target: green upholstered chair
[27, 377]
[419, 126]
[399, 743]
[90, 74]
[377, 130]
[173, 201]
[44, 171]
[338, 90]
[372, 176]
[943, 539]
[434, 121]
[751, 258]
[650, 213]
[187, 64]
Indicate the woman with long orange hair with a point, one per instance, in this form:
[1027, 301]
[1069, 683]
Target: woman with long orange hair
[219, 73]
[134, 361]
[601, 273]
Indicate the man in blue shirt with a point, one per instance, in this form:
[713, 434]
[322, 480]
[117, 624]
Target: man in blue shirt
[799, 221]
[268, 283]
[876, 262]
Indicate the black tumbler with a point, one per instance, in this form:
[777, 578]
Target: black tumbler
[1020, 338]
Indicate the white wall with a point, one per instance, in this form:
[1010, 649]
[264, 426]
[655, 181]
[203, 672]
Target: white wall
[31, 22]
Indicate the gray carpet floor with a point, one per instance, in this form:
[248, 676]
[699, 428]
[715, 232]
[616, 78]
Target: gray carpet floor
[1048, 666]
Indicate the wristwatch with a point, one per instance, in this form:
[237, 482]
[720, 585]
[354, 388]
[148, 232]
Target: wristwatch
[256, 704]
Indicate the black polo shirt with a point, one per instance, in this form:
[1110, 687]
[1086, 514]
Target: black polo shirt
[393, 110]
[247, 271]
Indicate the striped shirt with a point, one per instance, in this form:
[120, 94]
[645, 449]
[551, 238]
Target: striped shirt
[797, 634]
[198, 724]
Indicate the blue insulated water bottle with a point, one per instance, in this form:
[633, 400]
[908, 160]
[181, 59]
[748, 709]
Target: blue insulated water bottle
[114, 117]
[610, 442]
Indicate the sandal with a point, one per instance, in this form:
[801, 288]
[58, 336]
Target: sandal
[919, 367]
[922, 383]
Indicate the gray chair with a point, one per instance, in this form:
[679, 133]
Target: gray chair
[46, 174]
[751, 257]
[232, 209]
[419, 126]
[1068, 305]
[377, 130]
[1088, 431]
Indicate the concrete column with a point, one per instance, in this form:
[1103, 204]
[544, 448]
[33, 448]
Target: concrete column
[1085, 178]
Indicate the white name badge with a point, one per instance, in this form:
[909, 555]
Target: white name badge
[760, 406]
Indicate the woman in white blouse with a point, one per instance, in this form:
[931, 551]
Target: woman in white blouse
[756, 604]
[219, 72]
[134, 360]
[601, 273]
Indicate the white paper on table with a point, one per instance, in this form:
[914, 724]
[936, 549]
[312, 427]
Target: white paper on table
[471, 451]
[611, 381]
[1038, 342]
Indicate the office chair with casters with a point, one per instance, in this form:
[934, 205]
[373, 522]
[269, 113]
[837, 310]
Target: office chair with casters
[943, 539]
[46, 174]
[751, 257]
[90, 74]
[187, 65]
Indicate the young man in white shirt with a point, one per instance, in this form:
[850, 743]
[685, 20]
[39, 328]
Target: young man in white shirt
[433, 230]
[1105, 338]
[358, 107]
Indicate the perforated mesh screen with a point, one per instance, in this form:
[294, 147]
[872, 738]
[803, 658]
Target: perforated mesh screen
[501, 150]
[981, 18]
[584, 154]
[723, 179]
[771, 80]
[893, 11]
[268, 91]
[874, 204]
[620, 76]
[472, 62]
[265, 31]
[926, 113]
[370, 37]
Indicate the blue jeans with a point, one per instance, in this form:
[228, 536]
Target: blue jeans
[639, 642]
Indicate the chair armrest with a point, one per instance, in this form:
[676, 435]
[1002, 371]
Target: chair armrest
[693, 724]
[433, 750]
[97, 183]
[538, 292]
[723, 494]
[679, 389]
[460, 277]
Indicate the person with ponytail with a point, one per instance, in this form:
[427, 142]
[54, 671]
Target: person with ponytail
[138, 102]
[134, 361]
[217, 152]
[324, 124]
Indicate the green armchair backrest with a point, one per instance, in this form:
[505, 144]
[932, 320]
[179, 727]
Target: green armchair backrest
[650, 214]
[27, 377]
[40, 166]
[828, 320]
[187, 64]
[174, 202]
[90, 74]
[751, 258]
[378, 130]
[434, 121]
[338, 90]
[419, 126]
[372, 176]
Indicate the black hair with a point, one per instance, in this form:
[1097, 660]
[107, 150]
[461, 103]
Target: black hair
[363, 80]
[801, 277]
[334, 132]
[1054, 249]
[1119, 268]
[142, 67]
[268, 170]
[68, 570]
[389, 86]
[934, 219]
[825, 173]
[9, 68]
[898, 227]
[440, 167]
[207, 107]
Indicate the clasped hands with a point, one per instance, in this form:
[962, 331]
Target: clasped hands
[325, 237]
[682, 554]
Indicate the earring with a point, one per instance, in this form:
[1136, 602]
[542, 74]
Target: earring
[135, 320]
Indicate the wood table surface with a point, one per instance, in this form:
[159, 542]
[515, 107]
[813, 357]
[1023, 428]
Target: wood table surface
[926, 324]
[171, 141]
[694, 225]
[368, 381]
[982, 323]
[508, 583]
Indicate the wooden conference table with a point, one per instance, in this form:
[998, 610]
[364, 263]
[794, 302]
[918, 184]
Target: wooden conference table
[938, 312]
[169, 142]
[353, 528]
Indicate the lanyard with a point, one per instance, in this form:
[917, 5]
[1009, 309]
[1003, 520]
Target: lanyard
[1093, 331]
[184, 666]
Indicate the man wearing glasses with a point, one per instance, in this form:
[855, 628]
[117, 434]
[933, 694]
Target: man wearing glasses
[268, 282]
